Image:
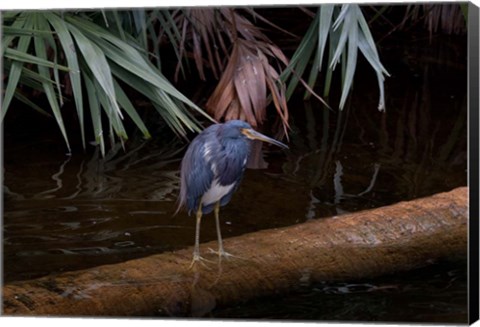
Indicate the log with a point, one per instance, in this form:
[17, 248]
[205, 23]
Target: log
[364, 244]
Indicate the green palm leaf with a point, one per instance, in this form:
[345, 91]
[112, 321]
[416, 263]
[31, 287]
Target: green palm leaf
[66, 41]
[97, 58]
[97, 62]
[16, 66]
[127, 105]
[348, 32]
[95, 112]
[41, 51]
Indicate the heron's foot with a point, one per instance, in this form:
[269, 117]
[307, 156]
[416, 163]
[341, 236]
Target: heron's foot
[198, 259]
[222, 254]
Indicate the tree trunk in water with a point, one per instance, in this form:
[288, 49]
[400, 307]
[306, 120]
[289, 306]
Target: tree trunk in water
[364, 244]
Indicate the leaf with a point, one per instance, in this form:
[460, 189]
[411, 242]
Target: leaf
[326, 14]
[96, 61]
[242, 90]
[31, 104]
[334, 36]
[50, 41]
[166, 20]
[252, 12]
[242, 79]
[76, 39]
[16, 67]
[12, 32]
[28, 77]
[154, 95]
[370, 50]
[20, 56]
[130, 59]
[366, 50]
[130, 110]
[348, 32]
[347, 23]
[114, 118]
[300, 59]
[95, 113]
[352, 30]
[41, 52]
[69, 50]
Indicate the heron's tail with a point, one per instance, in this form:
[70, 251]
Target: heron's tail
[179, 207]
[182, 197]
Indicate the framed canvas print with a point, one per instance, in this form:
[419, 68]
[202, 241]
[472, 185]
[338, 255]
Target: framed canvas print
[301, 162]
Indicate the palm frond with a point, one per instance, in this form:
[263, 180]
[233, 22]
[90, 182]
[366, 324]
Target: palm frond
[66, 41]
[41, 52]
[16, 65]
[348, 32]
[95, 112]
[74, 44]
[240, 55]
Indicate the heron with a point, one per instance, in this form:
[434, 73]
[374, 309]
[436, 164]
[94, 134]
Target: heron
[211, 171]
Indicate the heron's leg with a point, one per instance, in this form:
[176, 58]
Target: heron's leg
[196, 250]
[221, 251]
[219, 233]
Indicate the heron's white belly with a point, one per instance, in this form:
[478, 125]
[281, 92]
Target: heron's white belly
[216, 192]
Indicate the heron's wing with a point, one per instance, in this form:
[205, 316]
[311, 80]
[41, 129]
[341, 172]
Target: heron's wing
[231, 162]
[196, 173]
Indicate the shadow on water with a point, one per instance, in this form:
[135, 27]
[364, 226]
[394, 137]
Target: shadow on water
[65, 213]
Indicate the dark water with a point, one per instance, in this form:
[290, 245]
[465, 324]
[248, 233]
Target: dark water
[64, 213]
[432, 294]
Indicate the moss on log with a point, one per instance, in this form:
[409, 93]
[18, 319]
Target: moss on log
[352, 246]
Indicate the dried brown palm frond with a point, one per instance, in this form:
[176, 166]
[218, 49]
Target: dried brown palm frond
[242, 91]
[202, 26]
[210, 33]
[237, 53]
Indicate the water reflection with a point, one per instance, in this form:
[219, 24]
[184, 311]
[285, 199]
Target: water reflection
[100, 209]
[359, 158]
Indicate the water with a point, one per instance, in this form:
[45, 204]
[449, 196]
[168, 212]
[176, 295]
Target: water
[65, 213]
[432, 294]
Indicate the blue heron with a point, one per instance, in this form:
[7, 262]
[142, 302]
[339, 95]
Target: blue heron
[212, 169]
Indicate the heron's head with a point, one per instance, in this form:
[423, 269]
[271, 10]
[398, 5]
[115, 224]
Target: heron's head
[241, 129]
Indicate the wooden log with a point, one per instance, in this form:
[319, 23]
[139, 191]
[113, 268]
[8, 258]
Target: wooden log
[352, 246]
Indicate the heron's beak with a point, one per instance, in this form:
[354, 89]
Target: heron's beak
[254, 135]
